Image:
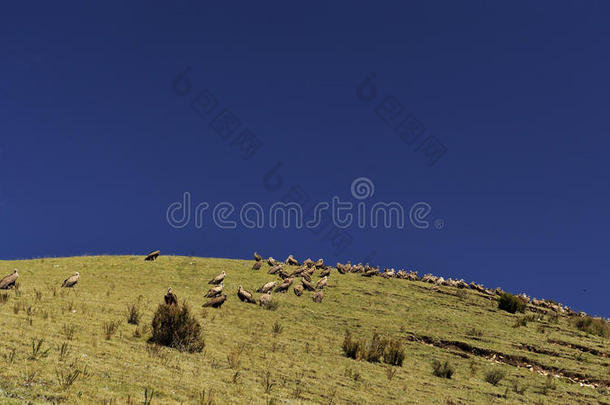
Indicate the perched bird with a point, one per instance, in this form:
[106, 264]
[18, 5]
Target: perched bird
[319, 263]
[325, 272]
[257, 257]
[298, 290]
[275, 269]
[284, 286]
[271, 261]
[218, 279]
[215, 291]
[267, 287]
[9, 281]
[369, 273]
[291, 261]
[283, 275]
[245, 295]
[318, 296]
[170, 297]
[308, 262]
[265, 300]
[152, 256]
[341, 268]
[71, 281]
[257, 265]
[216, 302]
[321, 283]
[306, 276]
[307, 285]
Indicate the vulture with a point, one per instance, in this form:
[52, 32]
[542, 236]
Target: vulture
[298, 290]
[318, 296]
[271, 261]
[284, 286]
[307, 285]
[292, 261]
[216, 302]
[308, 262]
[218, 279]
[322, 282]
[265, 300]
[71, 281]
[341, 268]
[267, 287]
[257, 257]
[152, 256]
[257, 265]
[170, 297]
[275, 269]
[319, 263]
[245, 295]
[306, 276]
[9, 281]
[325, 272]
[283, 275]
[215, 291]
[369, 273]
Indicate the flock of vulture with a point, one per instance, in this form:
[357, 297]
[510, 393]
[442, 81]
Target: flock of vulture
[291, 269]
[9, 281]
[286, 280]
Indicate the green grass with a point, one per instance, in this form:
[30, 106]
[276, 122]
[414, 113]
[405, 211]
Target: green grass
[77, 346]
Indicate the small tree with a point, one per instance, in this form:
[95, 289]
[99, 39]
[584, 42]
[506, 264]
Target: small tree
[511, 303]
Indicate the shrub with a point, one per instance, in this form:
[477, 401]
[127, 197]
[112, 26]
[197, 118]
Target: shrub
[174, 326]
[519, 388]
[394, 352]
[375, 349]
[494, 376]
[133, 314]
[594, 326]
[352, 348]
[443, 370]
[511, 303]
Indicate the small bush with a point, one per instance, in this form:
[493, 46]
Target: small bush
[133, 314]
[352, 348]
[519, 388]
[594, 326]
[522, 321]
[474, 332]
[174, 326]
[277, 329]
[549, 385]
[375, 349]
[511, 303]
[394, 352]
[494, 376]
[443, 370]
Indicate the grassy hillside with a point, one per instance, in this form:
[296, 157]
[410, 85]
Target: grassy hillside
[291, 355]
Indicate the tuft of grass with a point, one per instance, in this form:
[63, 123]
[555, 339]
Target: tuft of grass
[352, 348]
[394, 353]
[442, 369]
[593, 326]
[37, 350]
[133, 314]
[110, 328]
[277, 328]
[494, 376]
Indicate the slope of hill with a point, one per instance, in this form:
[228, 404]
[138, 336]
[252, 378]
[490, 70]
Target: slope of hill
[58, 345]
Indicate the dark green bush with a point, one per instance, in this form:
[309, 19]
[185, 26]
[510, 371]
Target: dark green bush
[352, 348]
[174, 326]
[375, 349]
[494, 376]
[394, 352]
[511, 303]
[443, 370]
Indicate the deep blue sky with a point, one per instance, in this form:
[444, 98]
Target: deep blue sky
[95, 144]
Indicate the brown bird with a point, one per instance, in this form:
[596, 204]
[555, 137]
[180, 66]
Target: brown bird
[307, 285]
[257, 265]
[218, 279]
[271, 261]
[152, 256]
[265, 300]
[9, 281]
[291, 261]
[284, 286]
[283, 275]
[275, 269]
[319, 263]
[325, 272]
[170, 297]
[216, 302]
[257, 257]
[341, 268]
[306, 276]
[308, 262]
[298, 290]
[321, 283]
[369, 273]
[71, 281]
[267, 287]
[318, 296]
[245, 295]
[215, 291]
